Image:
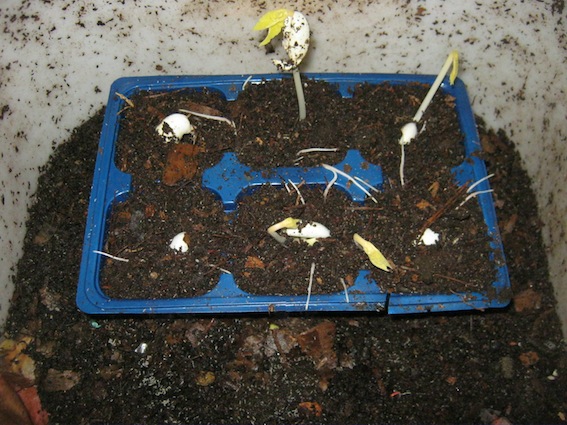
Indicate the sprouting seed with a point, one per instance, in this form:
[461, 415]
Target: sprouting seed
[173, 127]
[296, 35]
[309, 231]
[373, 253]
[409, 131]
[288, 223]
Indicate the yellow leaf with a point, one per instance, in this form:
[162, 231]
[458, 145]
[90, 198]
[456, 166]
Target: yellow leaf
[272, 21]
[374, 254]
[455, 70]
[272, 32]
[271, 18]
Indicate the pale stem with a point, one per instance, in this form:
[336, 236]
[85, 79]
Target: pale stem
[402, 162]
[300, 95]
[451, 60]
[310, 286]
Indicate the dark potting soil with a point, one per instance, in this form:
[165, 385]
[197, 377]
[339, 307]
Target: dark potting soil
[475, 367]
[168, 198]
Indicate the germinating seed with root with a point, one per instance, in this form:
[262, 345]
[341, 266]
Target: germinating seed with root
[310, 232]
[174, 127]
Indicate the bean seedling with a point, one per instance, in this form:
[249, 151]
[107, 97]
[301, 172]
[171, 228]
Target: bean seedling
[409, 131]
[295, 42]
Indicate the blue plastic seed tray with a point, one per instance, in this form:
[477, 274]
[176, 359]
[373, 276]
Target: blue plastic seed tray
[230, 179]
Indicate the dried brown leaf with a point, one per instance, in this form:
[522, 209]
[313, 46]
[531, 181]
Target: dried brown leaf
[254, 263]
[181, 163]
[318, 343]
[61, 380]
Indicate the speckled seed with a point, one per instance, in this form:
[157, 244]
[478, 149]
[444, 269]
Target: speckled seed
[295, 41]
[180, 242]
[174, 127]
[309, 230]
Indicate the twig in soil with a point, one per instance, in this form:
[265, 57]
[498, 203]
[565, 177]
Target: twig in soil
[365, 208]
[298, 192]
[125, 99]
[442, 276]
[350, 178]
[345, 289]
[105, 254]
[444, 208]
[454, 279]
[466, 302]
[310, 286]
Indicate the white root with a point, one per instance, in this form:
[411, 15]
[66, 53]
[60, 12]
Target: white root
[310, 286]
[209, 117]
[105, 254]
[298, 192]
[350, 178]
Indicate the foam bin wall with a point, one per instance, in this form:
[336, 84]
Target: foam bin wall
[58, 60]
